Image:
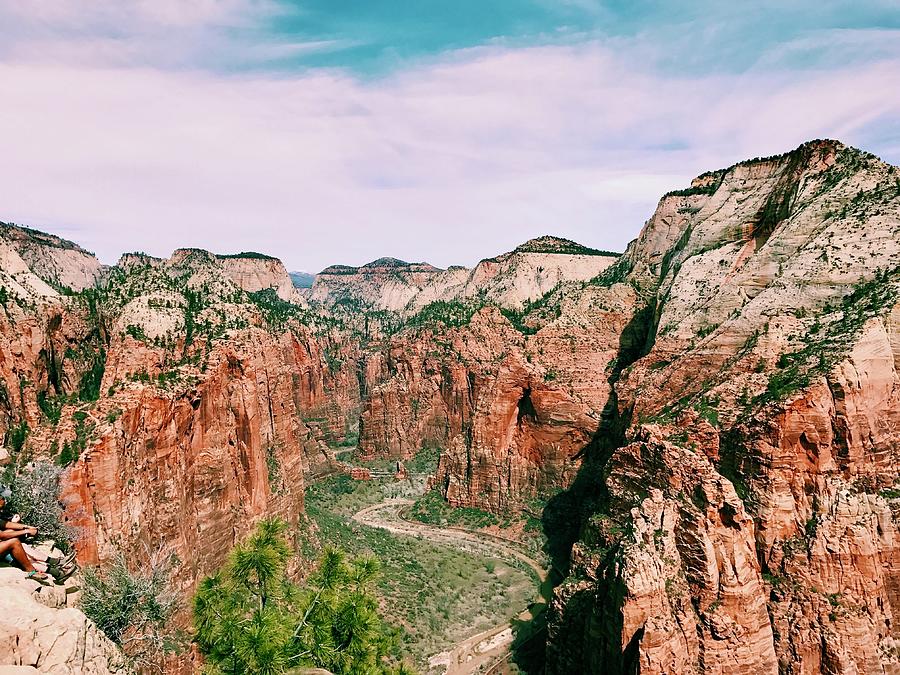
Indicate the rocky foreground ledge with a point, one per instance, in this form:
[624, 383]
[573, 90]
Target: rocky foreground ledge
[42, 632]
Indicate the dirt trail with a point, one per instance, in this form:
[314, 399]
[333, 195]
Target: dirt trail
[488, 647]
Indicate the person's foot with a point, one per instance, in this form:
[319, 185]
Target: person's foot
[40, 577]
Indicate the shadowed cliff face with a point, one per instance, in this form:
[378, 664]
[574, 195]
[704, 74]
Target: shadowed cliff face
[715, 406]
[711, 418]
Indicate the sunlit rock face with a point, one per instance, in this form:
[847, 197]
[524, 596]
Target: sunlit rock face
[39, 633]
[185, 403]
[507, 280]
[745, 521]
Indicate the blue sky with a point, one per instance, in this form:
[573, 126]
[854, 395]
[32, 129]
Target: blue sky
[698, 36]
[337, 132]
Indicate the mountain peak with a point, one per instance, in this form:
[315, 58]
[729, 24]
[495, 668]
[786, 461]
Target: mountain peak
[559, 245]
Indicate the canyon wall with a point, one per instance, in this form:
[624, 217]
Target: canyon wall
[184, 408]
[744, 522]
[510, 280]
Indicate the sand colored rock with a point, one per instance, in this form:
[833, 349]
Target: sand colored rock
[771, 359]
[53, 259]
[254, 272]
[38, 638]
[508, 280]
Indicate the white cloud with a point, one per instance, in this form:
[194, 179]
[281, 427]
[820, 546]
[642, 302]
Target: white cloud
[450, 161]
[145, 33]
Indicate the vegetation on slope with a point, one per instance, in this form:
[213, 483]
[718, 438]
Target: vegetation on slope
[437, 594]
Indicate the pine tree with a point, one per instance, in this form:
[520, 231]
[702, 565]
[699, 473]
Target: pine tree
[250, 618]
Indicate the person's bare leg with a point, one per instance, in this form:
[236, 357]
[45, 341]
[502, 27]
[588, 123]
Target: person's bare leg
[15, 549]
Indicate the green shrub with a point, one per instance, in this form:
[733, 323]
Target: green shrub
[134, 608]
[35, 497]
[137, 332]
[89, 385]
[16, 435]
[50, 406]
[84, 431]
[452, 314]
[250, 618]
[432, 509]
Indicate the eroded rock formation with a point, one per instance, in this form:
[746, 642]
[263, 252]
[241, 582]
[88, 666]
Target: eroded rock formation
[771, 376]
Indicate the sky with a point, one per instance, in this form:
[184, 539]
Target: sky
[338, 131]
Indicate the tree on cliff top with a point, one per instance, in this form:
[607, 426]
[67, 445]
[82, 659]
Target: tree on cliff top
[251, 618]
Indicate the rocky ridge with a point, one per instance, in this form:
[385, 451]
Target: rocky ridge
[185, 406]
[508, 280]
[769, 370]
[57, 261]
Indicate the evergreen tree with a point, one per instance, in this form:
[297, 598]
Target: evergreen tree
[250, 618]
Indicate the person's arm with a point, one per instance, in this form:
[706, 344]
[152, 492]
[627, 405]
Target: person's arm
[13, 534]
[9, 525]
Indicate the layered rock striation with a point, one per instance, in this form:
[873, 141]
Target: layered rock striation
[509, 280]
[770, 373]
[184, 406]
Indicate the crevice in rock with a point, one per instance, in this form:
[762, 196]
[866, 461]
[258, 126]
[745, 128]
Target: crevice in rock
[525, 407]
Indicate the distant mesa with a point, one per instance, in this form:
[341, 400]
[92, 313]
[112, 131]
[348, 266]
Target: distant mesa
[249, 255]
[550, 245]
[560, 246]
[382, 266]
[12, 232]
[387, 262]
[339, 269]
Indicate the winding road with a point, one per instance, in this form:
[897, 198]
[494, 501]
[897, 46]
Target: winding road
[483, 650]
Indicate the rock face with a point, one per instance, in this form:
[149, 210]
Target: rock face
[383, 284]
[256, 272]
[192, 468]
[744, 522]
[41, 637]
[508, 280]
[511, 409]
[185, 407]
[51, 258]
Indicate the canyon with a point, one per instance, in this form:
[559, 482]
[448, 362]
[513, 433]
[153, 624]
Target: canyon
[708, 424]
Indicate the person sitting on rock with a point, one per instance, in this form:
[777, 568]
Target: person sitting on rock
[10, 544]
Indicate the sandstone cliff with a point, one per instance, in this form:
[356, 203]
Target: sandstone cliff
[508, 280]
[711, 418]
[53, 259]
[256, 272]
[185, 406]
[744, 522]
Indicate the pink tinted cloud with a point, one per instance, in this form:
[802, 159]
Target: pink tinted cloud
[449, 161]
